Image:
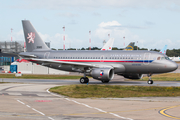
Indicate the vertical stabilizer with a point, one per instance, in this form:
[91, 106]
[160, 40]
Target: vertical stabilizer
[108, 45]
[32, 38]
[163, 51]
[130, 46]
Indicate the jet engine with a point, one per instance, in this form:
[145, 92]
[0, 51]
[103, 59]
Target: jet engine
[132, 76]
[103, 74]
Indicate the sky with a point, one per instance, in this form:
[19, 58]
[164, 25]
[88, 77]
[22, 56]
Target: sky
[149, 23]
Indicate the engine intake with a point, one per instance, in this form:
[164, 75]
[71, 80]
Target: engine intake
[105, 74]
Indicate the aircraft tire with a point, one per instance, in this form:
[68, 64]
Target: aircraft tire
[82, 80]
[150, 81]
[86, 80]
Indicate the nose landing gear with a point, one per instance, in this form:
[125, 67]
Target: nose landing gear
[150, 81]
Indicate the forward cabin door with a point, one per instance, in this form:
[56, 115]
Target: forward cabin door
[146, 58]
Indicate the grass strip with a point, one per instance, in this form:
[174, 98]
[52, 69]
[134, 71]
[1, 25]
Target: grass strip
[164, 77]
[32, 76]
[115, 91]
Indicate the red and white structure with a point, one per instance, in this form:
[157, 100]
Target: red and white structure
[89, 40]
[64, 38]
[24, 46]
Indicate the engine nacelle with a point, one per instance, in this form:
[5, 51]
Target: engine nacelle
[132, 76]
[105, 74]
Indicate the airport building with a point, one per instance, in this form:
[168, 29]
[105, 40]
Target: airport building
[12, 47]
[9, 47]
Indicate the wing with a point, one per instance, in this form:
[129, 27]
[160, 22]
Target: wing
[80, 65]
[50, 61]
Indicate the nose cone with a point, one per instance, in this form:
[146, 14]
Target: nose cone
[171, 66]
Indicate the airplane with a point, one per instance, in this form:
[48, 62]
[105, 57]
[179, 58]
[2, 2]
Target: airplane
[99, 64]
[130, 46]
[163, 51]
[108, 45]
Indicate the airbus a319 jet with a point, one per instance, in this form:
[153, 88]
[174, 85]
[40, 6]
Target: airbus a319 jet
[101, 65]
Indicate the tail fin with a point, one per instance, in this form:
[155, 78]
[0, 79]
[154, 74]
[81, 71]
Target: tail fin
[163, 51]
[130, 46]
[108, 45]
[32, 38]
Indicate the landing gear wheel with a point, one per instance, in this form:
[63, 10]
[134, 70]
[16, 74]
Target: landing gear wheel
[84, 80]
[103, 81]
[150, 81]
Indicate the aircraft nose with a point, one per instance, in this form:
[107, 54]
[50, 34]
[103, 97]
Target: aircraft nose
[172, 66]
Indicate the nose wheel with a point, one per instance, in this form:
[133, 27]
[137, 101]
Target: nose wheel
[84, 80]
[150, 81]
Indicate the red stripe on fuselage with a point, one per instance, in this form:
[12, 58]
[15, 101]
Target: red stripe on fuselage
[132, 61]
[96, 61]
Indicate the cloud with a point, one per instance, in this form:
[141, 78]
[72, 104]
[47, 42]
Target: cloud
[69, 15]
[149, 23]
[93, 4]
[115, 24]
[118, 31]
[16, 36]
[56, 41]
[96, 14]
[73, 22]
[112, 28]
[109, 24]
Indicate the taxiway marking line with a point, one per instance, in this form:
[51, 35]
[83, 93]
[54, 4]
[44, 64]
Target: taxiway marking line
[38, 111]
[28, 106]
[50, 118]
[117, 111]
[163, 112]
[116, 115]
[34, 109]
[20, 102]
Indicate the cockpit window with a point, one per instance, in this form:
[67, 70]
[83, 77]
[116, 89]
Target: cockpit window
[167, 58]
[163, 58]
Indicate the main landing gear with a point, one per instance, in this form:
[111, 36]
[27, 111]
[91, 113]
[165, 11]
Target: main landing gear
[150, 81]
[84, 80]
